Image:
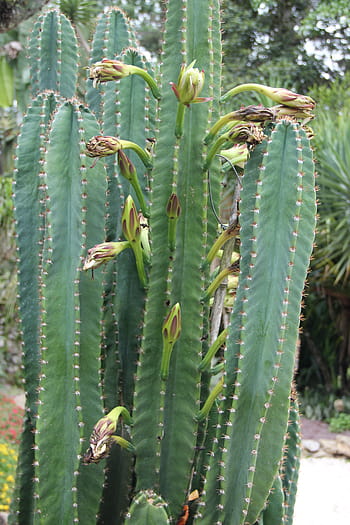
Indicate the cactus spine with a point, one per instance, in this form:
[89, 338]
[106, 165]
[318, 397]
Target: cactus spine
[137, 333]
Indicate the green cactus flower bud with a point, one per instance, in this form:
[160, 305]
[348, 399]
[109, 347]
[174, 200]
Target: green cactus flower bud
[173, 210]
[107, 70]
[172, 325]
[102, 253]
[132, 232]
[128, 170]
[102, 437]
[279, 95]
[130, 221]
[237, 155]
[171, 332]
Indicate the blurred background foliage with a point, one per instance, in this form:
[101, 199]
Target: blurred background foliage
[298, 44]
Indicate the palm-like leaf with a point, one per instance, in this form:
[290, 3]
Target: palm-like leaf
[333, 239]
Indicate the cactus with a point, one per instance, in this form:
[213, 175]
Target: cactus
[181, 442]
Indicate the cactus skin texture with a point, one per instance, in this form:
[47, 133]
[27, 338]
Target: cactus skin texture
[95, 342]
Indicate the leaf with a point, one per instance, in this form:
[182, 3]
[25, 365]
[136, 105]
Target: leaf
[7, 83]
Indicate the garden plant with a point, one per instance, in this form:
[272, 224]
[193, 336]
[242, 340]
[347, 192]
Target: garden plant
[141, 407]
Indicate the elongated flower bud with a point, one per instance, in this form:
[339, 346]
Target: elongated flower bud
[132, 232]
[172, 325]
[244, 114]
[173, 208]
[127, 168]
[130, 221]
[102, 253]
[104, 145]
[279, 95]
[107, 70]
[171, 332]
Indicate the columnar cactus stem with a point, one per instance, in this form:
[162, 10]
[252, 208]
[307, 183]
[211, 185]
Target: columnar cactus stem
[138, 336]
[274, 330]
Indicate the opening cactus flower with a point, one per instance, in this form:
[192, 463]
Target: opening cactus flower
[102, 253]
[189, 85]
[108, 70]
[279, 95]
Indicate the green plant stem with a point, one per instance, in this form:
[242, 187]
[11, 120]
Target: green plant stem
[150, 81]
[179, 123]
[205, 363]
[204, 411]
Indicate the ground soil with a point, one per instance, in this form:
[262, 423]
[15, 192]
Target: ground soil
[312, 429]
